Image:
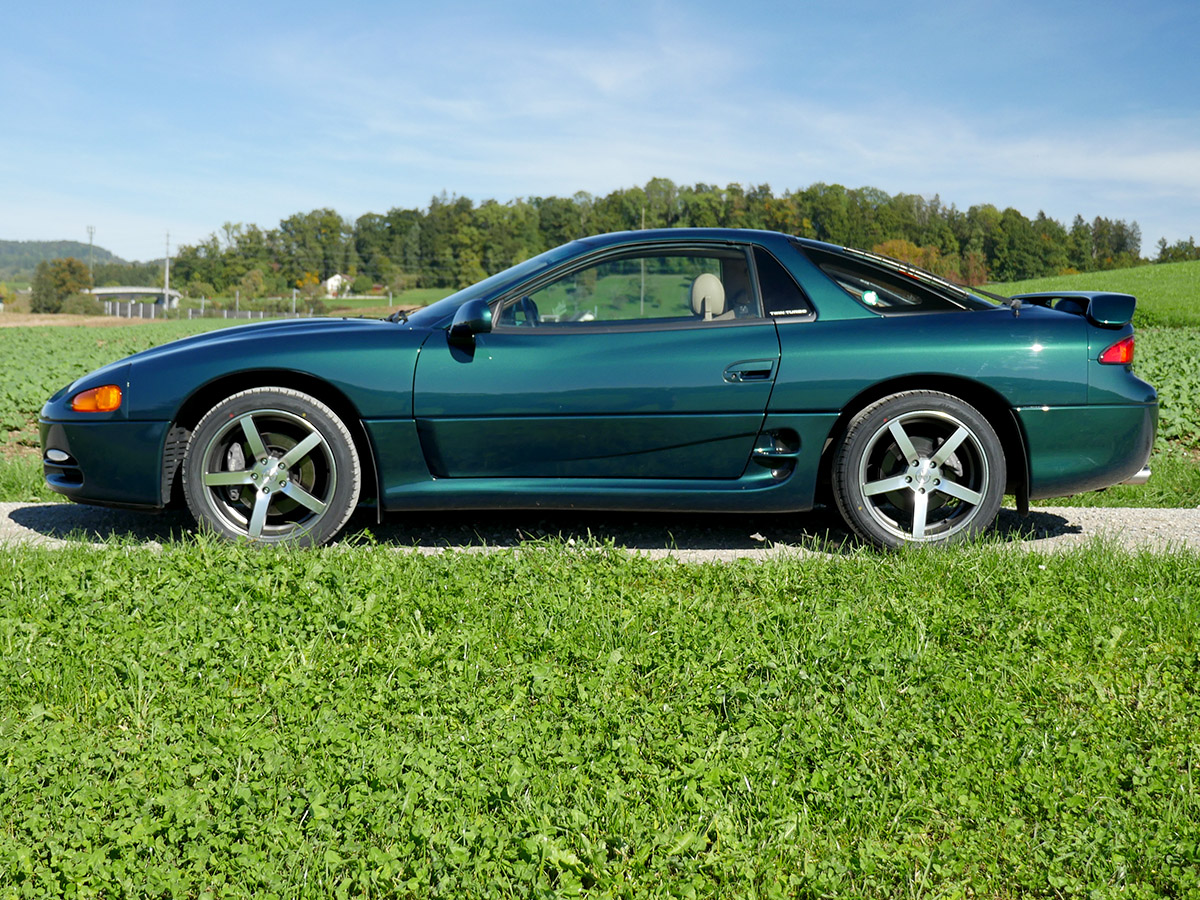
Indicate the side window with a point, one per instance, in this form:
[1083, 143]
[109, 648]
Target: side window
[781, 295]
[661, 286]
[880, 289]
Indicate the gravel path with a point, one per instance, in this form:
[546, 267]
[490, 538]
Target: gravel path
[686, 537]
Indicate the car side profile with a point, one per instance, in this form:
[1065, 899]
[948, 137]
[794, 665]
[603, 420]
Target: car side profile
[699, 370]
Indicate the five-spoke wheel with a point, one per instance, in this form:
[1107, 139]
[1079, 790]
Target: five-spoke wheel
[272, 465]
[919, 466]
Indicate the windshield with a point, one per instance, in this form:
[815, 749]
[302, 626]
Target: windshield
[429, 316]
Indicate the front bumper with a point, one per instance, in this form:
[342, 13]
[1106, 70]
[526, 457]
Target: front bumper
[108, 463]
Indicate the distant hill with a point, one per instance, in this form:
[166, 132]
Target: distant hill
[18, 259]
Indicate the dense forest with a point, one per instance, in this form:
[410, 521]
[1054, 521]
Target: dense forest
[455, 241]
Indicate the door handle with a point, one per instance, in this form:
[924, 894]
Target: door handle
[749, 370]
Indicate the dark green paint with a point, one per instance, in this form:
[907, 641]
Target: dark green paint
[1073, 449]
[687, 416]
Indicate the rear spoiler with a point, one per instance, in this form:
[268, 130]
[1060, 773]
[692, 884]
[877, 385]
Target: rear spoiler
[1100, 307]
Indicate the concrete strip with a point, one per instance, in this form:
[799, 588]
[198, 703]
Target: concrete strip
[660, 535]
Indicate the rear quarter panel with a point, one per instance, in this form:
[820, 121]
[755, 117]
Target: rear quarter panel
[1036, 358]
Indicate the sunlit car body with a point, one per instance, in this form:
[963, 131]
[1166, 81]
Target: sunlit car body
[681, 370]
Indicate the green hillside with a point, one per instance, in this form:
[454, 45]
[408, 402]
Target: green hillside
[1168, 294]
[18, 259]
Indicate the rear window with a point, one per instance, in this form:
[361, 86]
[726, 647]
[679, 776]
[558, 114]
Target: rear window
[886, 290]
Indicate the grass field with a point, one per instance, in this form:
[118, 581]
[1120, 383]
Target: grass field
[215, 721]
[202, 720]
[1168, 294]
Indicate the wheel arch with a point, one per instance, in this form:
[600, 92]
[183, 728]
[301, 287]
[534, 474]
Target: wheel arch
[210, 394]
[991, 405]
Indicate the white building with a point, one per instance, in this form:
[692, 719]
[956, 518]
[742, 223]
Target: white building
[336, 285]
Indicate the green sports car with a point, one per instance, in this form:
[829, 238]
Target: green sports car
[689, 370]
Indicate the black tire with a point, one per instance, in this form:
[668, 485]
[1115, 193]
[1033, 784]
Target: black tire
[274, 466]
[919, 467]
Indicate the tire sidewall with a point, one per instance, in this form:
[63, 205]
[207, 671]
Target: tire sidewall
[853, 504]
[323, 419]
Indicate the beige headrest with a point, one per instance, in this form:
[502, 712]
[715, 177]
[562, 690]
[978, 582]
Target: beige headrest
[708, 296]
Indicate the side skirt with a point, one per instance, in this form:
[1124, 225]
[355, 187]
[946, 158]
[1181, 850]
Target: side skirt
[764, 486]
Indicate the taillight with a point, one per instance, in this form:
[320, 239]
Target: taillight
[1119, 354]
[98, 399]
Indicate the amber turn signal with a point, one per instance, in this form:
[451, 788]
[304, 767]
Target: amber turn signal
[99, 399]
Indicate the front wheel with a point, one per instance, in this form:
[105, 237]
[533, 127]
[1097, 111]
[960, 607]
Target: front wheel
[919, 467]
[272, 465]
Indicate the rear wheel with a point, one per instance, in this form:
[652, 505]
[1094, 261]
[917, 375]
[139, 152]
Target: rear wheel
[919, 467]
[272, 465]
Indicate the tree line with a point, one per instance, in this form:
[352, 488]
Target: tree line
[455, 241]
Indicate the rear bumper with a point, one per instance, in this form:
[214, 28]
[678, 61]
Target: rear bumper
[1073, 449]
[1140, 478]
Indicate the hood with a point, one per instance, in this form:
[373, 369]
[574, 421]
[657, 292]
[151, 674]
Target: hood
[279, 329]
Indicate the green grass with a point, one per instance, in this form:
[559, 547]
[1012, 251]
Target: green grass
[1168, 294]
[209, 720]
[21, 479]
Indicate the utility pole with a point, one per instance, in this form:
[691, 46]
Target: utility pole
[91, 256]
[167, 274]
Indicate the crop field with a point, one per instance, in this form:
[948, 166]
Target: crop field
[37, 361]
[1169, 358]
[572, 721]
[1168, 293]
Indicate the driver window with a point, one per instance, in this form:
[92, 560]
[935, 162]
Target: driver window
[666, 287]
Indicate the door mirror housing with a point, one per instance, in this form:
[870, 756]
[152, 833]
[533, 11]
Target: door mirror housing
[473, 317]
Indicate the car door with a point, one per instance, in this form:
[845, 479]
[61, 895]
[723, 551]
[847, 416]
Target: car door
[645, 363]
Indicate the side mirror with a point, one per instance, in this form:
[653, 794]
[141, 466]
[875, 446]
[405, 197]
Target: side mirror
[473, 317]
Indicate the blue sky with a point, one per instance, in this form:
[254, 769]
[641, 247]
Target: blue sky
[139, 118]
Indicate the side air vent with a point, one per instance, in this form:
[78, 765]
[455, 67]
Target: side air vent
[777, 451]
